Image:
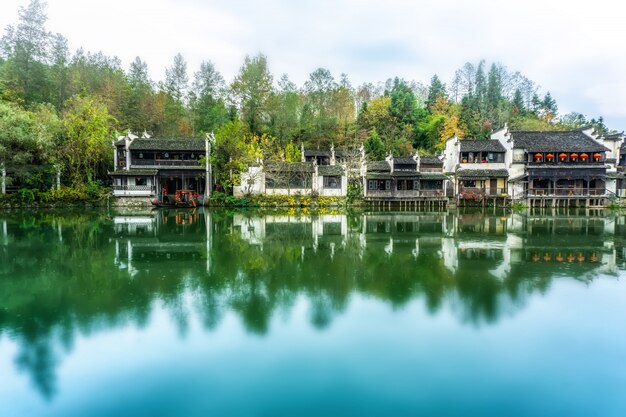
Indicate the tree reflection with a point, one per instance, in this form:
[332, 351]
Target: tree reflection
[74, 274]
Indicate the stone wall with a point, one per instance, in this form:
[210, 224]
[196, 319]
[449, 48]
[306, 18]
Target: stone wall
[132, 201]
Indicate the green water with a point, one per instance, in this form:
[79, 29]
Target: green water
[187, 313]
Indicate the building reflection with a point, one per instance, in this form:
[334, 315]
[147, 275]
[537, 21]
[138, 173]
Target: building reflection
[81, 271]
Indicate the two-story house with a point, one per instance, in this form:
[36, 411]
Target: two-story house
[479, 168]
[147, 167]
[404, 179]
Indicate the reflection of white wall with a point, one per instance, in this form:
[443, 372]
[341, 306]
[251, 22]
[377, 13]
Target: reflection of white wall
[5, 233]
[450, 259]
[252, 229]
[131, 224]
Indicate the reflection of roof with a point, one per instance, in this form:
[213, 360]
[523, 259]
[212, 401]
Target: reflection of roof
[330, 170]
[378, 166]
[572, 141]
[163, 144]
[133, 172]
[482, 173]
[486, 145]
[289, 166]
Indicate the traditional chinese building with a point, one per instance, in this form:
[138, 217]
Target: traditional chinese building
[401, 179]
[147, 167]
[567, 168]
[479, 168]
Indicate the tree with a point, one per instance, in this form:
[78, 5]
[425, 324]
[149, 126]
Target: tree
[26, 50]
[285, 106]
[435, 90]
[403, 104]
[26, 140]
[374, 146]
[251, 89]
[319, 95]
[549, 107]
[208, 110]
[59, 71]
[176, 79]
[86, 146]
[518, 103]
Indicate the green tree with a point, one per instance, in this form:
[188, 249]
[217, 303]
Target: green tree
[319, 92]
[26, 139]
[86, 147]
[374, 146]
[285, 109]
[251, 89]
[206, 101]
[403, 104]
[26, 49]
[435, 90]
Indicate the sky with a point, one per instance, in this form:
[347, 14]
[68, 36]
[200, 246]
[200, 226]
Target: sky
[573, 49]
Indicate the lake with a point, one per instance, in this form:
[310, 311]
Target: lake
[288, 313]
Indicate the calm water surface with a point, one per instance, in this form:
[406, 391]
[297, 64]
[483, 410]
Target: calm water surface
[187, 313]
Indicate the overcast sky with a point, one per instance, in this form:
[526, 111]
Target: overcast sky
[574, 49]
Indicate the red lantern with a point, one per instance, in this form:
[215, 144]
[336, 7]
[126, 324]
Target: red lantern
[562, 157]
[573, 156]
[597, 156]
[584, 156]
[549, 157]
[538, 157]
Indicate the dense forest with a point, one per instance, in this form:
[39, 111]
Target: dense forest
[60, 110]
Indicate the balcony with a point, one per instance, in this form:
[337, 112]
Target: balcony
[404, 194]
[192, 163]
[565, 159]
[566, 192]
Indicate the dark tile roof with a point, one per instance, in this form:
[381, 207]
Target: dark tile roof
[120, 142]
[430, 160]
[330, 170]
[433, 176]
[289, 167]
[378, 166]
[486, 145]
[572, 141]
[378, 176]
[133, 172]
[482, 173]
[314, 152]
[412, 174]
[405, 160]
[163, 144]
[614, 136]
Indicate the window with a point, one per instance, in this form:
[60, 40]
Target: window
[432, 185]
[379, 185]
[332, 181]
[141, 181]
[406, 185]
[468, 183]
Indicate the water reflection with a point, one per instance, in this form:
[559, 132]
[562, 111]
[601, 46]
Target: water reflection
[63, 275]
